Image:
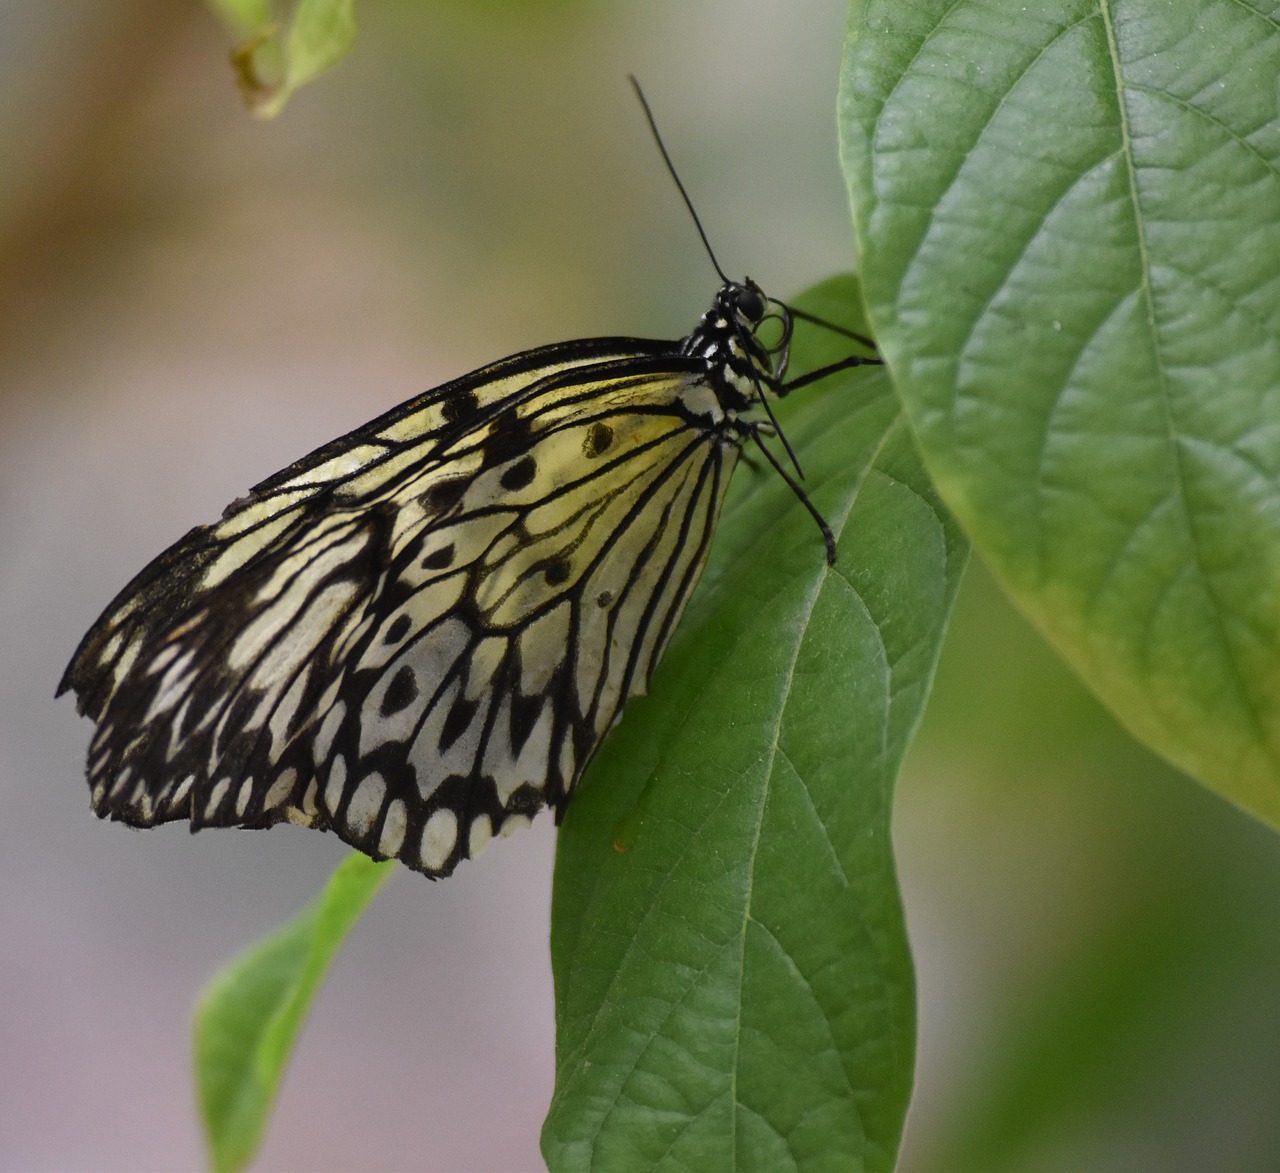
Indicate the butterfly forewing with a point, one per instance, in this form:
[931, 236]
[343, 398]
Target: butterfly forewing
[418, 635]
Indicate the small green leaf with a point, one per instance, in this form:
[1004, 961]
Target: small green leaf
[274, 59]
[733, 984]
[250, 1014]
[1069, 221]
[319, 37]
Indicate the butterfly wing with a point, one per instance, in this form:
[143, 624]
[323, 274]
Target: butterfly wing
[418, 635]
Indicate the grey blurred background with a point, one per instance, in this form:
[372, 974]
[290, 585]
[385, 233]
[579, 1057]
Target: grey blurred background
[190, 299]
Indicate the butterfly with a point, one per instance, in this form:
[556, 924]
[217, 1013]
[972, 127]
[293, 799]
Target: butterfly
[418, 635]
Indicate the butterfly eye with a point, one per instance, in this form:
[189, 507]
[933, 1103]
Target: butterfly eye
[751, 304]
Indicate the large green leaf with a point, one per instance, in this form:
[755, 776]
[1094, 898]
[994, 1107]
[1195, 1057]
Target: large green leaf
[250, 1014]
[1069, 219]
[733, 984]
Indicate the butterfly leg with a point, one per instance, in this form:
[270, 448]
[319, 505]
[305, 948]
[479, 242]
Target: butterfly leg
[854, 360]
[794, 486]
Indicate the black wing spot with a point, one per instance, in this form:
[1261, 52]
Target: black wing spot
[520, 475]
[401, 692]
[439, 499]
[439, 559]
[556, 571]
[525, 711]
[461, 714]
[599, 438]
[604, 598]
[461, 405]
[398, 630]
[509, 437]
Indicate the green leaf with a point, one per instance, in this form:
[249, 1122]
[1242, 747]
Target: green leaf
[733, 984]
[274, 59]
[250, 1014]
[1069, 222]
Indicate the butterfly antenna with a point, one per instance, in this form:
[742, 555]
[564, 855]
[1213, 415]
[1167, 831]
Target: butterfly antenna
[671, 167]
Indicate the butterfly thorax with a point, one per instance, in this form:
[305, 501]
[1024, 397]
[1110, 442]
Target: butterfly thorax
[740, 368]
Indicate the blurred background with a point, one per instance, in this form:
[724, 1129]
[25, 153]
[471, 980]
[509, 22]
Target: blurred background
[190, 299]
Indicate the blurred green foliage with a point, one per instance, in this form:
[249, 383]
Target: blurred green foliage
[1115, 925]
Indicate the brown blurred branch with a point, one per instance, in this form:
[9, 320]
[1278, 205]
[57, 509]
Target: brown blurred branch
[67, 196]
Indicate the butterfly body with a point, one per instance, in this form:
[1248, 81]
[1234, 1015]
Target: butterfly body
[417, 635]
